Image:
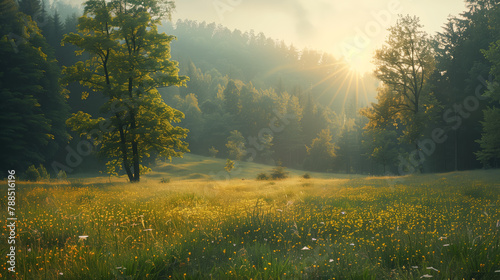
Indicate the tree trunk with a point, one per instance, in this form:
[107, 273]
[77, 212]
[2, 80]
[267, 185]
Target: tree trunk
[419, 167]
[123, 145]
[135, 149]
[136, 161]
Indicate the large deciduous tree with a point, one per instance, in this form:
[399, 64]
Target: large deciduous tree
[128, 61]
[404, 65]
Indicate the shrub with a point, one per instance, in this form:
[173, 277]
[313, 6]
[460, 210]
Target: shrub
[213, 152]
[279, 173]
[43, 172]
[165, 180]
[262, 176]
[306, 176]
[32, 174]
[61, 175]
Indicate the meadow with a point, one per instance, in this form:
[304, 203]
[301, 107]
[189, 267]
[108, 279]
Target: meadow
[438, 226]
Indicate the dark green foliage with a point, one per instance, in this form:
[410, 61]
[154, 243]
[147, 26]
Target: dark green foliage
[30, 7]
[263, 176]
[35, 174]
[279, 172]
[236, 145]
[43, 172]
[306, 176]
[321, 152]
[464, 71]
[32, 174]
[489, 155]
[165, 180]
[382, 147]
[129, 60]
[61, 175]
[33, 107]
[232, 102]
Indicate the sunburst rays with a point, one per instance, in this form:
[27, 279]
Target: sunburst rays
[340, 82]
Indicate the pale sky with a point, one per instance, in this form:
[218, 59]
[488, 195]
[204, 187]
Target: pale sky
[350, 29]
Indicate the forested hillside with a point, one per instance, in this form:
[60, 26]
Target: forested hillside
[245, 84]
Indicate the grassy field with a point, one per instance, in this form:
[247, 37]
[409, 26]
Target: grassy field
[444, 226]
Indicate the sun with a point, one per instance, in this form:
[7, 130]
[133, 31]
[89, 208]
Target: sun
[360, 64]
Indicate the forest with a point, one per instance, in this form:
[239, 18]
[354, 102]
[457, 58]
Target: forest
[431, 105]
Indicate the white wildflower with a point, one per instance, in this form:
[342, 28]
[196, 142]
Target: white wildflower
[432, 268]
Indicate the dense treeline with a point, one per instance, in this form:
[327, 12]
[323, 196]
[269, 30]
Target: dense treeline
[253, 98]
[462, 72]
[33, 107]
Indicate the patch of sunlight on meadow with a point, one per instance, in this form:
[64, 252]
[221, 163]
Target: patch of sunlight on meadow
[199, 167]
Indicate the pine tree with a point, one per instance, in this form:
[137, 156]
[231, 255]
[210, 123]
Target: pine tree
[489, 155]
[33, 108]
[31, 8]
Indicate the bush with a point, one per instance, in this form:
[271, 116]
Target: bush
[263, 176]
[279, 173]
[165, 180]
[306, 176]
[213, 152]
[32, 174]
[61, 175]
[44, 175]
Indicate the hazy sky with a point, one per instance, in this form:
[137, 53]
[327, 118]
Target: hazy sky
[351, 29]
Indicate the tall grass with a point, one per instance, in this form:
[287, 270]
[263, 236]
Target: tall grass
[445, 226]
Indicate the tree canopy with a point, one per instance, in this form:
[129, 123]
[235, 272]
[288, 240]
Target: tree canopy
[128, 61]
